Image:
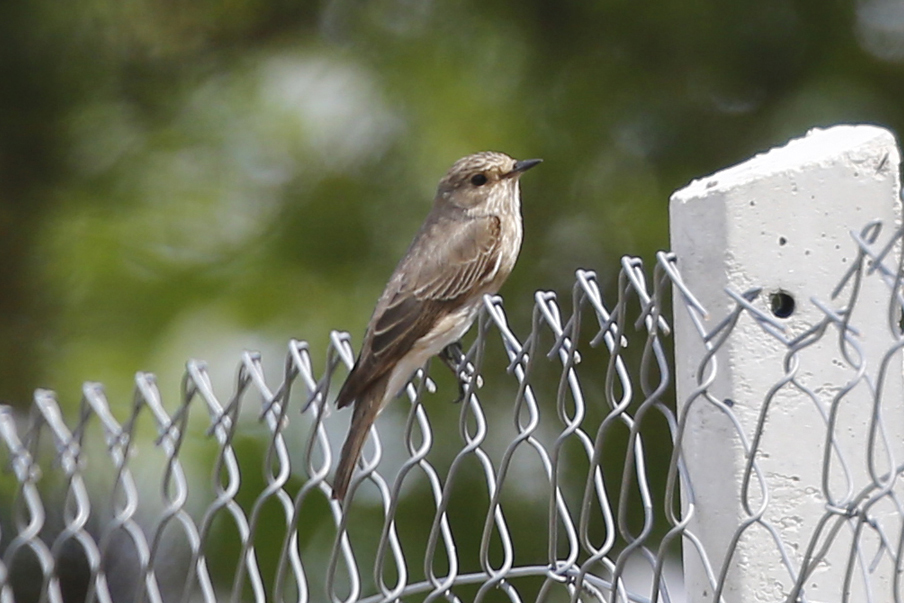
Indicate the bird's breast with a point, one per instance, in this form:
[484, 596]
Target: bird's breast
[510, 245]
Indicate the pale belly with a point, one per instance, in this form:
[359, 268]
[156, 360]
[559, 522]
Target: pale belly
[448, 330]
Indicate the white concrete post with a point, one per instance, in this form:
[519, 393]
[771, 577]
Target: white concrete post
[782, 221]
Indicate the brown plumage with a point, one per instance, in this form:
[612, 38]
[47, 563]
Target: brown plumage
[466, 247]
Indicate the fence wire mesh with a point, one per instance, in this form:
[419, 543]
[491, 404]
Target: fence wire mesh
[560, 477]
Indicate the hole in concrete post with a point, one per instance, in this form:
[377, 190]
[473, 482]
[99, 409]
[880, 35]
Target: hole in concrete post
[782, 304]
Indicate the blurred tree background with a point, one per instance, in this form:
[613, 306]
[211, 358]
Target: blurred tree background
[193, 179]
[190, 180]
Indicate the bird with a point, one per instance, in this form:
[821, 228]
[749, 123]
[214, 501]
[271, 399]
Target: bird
[465, 249]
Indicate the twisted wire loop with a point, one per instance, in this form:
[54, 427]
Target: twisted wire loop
[560, 476]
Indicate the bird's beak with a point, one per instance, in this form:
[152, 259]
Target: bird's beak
[523, 166]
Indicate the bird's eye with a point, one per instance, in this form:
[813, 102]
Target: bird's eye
[478, 179]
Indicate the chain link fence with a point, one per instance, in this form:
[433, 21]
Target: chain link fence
[562, 476]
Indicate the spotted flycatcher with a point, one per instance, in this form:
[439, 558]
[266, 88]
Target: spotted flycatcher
[465, 249]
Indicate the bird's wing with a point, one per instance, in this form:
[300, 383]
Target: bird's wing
[446, 264]
[459, 261]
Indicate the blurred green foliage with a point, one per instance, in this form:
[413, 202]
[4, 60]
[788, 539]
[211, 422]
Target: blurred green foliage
[192, 179]
[175, 177]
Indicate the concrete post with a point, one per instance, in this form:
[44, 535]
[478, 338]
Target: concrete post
[782, 222]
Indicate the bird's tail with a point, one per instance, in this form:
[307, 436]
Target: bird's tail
[364, 415]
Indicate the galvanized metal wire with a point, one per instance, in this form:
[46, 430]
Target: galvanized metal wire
[576, 426]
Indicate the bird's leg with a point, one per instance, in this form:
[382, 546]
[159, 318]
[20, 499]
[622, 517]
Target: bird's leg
[454, 357]
[451, 355]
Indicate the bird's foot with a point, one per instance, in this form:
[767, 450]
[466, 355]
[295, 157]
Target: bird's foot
[463, 382]
[454, 357]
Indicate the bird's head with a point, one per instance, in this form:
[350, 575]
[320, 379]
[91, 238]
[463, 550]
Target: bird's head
[485, 181]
